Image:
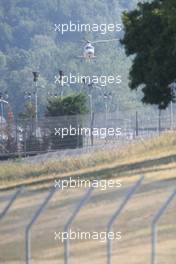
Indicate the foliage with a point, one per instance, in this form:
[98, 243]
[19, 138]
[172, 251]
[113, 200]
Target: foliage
[69, 105]
[72, 105]
[150, 36]
[29, 111]
[28, 42]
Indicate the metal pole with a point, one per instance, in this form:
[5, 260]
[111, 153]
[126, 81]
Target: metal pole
[70, 221]
[36, 76]
[172, 86]
[36, 106]
[12, 200]
[116, 215]
[159, 121]
[2, 109]
[106, 106]
[154, 226]
[61, 74]
[92, 124]
[61, 89]
[171, 114]
[91, 105]
[91, 114]
[16, 138]
[25, 145]
[31, 223]
[137, 125]
[2, 115]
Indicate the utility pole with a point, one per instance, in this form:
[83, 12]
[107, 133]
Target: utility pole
[107, 97]
[2, 102]
[36, 76]
[61, 75]
[90, 86]
[137, 125]
[172, 86]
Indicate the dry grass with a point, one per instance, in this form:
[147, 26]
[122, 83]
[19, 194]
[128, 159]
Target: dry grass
[138, 155]
[134, 224]
[155, 158]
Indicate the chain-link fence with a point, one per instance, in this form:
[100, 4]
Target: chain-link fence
[29, 136]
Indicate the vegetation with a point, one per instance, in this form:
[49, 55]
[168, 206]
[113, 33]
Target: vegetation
[150, 33]
[28, 42]
[156, 157]
[29, 111]
[69, 105]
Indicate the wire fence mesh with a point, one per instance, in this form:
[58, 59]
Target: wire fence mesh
[28, 137]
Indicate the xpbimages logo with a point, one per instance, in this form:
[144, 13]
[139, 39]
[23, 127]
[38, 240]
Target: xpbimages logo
[82, 27]
[101, 80]
[103, 185]
[80, 235]
[87, 131]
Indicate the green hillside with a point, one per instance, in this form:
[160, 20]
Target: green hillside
[28, 42]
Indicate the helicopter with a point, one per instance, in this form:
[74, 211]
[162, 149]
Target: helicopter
[89, 49]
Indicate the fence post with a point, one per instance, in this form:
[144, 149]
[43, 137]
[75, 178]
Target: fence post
[171, 116]
[32, 221]
[137, 125]
[24, 138]
[16, 137]
[154, 226]
[159, 121]
[12, 200]
[70, 221]
[117, 213]
[92, 124]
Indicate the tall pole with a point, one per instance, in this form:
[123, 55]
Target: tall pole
[91, 105]
[91, 116]
[159, 121]
[90, 86]
[171, 114]
[36, 104]
[36, 76]
[171, 108]
[2, 101]
[172, 86]
[61, 75]
[137, 125]
[106, 106]
[2, 115]
[107, 97]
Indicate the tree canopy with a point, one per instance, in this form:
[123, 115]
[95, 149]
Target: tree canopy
[29, 43]
[150, 37]
[74, 104]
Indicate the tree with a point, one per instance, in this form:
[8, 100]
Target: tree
[29, 112]
[67, 108]
[69, 105]
[150, 36]
[28, 42]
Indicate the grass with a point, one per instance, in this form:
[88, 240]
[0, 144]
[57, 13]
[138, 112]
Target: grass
[137, 157]
[155, 158]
